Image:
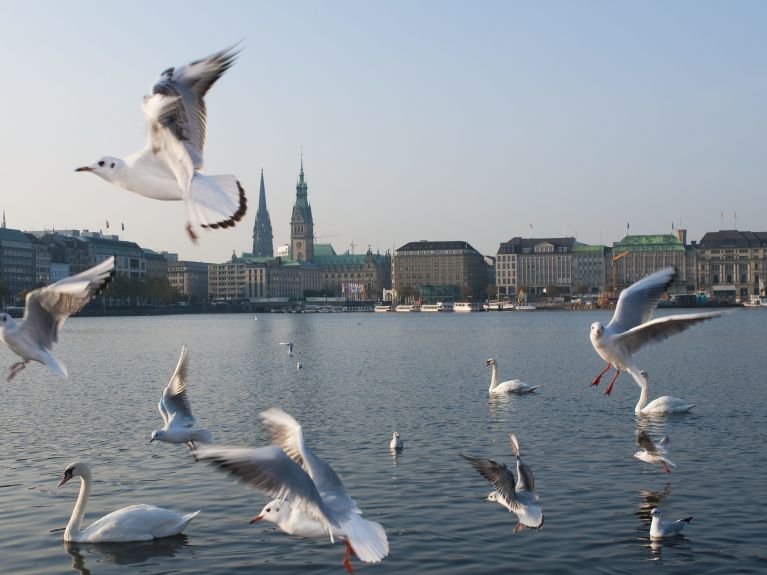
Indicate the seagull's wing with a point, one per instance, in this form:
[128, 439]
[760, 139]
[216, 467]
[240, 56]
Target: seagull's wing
[637, 302]
[286, 433]
[174, 400]
[187, 86]
[271, 471]
[48, 307]
[162, 141]
[644, 441]
[525, 479]
[497, 474]
[659, 329]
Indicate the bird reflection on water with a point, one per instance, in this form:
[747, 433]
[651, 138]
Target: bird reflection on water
[123, 553]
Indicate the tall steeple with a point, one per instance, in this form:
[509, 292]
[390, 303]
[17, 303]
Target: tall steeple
[262, 229]
[301, 222]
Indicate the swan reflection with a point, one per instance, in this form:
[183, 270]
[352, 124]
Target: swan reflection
[122, 553]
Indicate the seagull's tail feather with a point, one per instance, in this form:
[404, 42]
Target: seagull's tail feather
[55, 365]
[687, 519]
[215, 201]
[367, 538]
[668, 461]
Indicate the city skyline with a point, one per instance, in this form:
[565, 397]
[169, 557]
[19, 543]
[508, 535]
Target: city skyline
[434, 121]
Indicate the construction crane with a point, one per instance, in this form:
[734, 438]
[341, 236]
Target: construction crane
[617, 257]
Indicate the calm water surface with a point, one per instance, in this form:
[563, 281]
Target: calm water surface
[364, 376]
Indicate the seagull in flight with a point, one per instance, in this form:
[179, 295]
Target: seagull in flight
[653, 452]
[169, 166]
[310, 499]
[290, 346]
[517, 496]
[45, 311]
[631, 327]
[176, 411]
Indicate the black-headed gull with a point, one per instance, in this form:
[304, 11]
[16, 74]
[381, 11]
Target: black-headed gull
[661, 529]
[311, 501]
[289, 344]
[45, 311]
[168, 167]
[396, 442]
[653, 452]
[631, 327]
[517, 496]
[132, 523]
[505, 387]
[176, 411]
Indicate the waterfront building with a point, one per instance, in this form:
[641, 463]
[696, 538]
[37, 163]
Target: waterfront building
[635, 257]
[190, 279]
[438, 271]
[18, 265]
[589, 268]
[275, 278]
[354, 276]
[262, 229]
[537, 266]
[68, 251]
[156, 264]
[227, 281]
[732, 264]
[302, 223]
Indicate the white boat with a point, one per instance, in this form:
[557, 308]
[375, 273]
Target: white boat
[493, 306]
[439, 306]
[507, 306]
[756, 301]
[408, 307]
[524, 307]
[382, 308]
[465, 306]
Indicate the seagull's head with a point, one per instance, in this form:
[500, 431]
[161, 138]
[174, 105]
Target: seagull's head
[76, 469]
[395, 434]
[275, 511]
[492, 497]
[156, 435]
[597, 329]
[490, 361]
[655, 512]
[105, 168]
[5, 320]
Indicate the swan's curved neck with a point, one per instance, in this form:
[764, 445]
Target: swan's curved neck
[75, 522]
[494, 378]
[642, 396]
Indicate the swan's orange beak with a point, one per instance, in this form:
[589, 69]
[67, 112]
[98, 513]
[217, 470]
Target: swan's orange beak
[256, 519]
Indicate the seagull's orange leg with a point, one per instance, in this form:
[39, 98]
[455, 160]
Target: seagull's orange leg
[598, 378]
[609, 389]
[348, 553]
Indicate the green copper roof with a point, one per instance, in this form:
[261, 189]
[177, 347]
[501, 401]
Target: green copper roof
[659, 242]
[587, 248]
[323, 250]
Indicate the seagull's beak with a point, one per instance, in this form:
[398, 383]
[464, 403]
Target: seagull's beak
[151, 439]
[256, 519]
[84, 169]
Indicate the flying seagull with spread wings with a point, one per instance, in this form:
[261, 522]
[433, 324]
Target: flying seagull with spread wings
[631, 327]
[169, 166]
[45, 311]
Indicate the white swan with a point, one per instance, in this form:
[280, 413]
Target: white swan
[511, 386]
[665, 404]
[132, 523]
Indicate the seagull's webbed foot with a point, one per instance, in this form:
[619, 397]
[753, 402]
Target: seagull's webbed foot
[190, 232]
[15, 369]
[666, 468]
[609, 389]
[348, 553]
[598, 378]
[517, 528]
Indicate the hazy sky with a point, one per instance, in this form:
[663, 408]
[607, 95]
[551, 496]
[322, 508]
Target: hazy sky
[418, 119]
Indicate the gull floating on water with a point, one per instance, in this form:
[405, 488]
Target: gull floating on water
[396, 442]
[518, 496]
[506, 387]
[653, 452]
[176, 411]
[132, 523]
[310, 499]
[168, 167]
[662, 529]
[45, 311]
[662, 405]
[631, 327]
[289, 344]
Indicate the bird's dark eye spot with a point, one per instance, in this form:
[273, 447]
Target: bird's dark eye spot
[101, 163]
[112, 165]
[268, 510]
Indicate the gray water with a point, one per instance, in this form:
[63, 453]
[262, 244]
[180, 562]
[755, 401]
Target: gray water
[364, 376]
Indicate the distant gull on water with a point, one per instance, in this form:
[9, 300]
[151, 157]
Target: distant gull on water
[169, 166]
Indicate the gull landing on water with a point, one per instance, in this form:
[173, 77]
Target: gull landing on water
[168, 167]
[45, 311]
[631, 327]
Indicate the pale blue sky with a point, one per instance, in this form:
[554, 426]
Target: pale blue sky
[418, 119]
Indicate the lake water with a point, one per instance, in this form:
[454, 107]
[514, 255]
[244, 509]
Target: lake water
[364, 376]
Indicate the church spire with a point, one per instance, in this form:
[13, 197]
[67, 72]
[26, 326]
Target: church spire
[262, 229]
[301, 222]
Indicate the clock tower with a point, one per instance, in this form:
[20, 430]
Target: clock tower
[301, 223]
